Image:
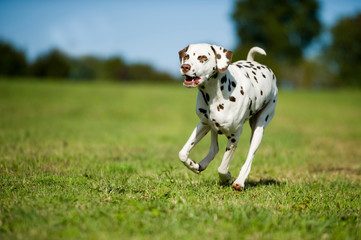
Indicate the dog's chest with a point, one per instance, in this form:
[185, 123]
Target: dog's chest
[224, 113]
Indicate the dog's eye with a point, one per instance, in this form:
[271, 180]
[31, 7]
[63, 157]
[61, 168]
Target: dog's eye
[186, 57]
[202, 58]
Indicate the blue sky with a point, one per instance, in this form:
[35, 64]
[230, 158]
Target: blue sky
[137, 30]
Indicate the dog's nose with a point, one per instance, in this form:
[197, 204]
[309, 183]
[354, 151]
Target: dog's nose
[185, 68]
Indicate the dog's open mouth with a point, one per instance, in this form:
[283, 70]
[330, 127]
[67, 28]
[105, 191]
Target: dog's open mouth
[191, 81]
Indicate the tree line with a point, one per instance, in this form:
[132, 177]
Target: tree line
[285, 29]
[56, 64]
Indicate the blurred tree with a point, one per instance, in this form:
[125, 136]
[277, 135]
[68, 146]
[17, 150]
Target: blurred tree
[115, 68]
[283, 28]
[87, 67]
[141, 72]
[345, 50]
[145, 72]
[54, 64]
[12, 61]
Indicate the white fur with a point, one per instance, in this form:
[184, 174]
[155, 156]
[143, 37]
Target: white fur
[228, 96]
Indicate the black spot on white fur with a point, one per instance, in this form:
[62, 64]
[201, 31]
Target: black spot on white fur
[202, 110]
[204, 97]
[250, 104]
[215, 75]
[224, 79]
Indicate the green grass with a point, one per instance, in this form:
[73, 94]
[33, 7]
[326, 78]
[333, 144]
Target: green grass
[100, 161]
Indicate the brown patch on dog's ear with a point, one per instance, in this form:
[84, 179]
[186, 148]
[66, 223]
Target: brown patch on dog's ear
[182, 53]
[229, 55]
[223, 58]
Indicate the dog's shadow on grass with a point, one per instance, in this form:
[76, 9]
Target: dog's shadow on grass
[249, 184]
[263, 182]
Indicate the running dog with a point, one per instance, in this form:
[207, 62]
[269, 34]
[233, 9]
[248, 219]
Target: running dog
[229, 94]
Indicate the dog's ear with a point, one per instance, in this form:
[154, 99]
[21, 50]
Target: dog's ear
[223, 58]
[182, 53]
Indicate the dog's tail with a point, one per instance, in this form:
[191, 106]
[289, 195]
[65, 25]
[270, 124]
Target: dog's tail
[253, 51]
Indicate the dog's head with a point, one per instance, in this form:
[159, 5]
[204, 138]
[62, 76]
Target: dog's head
[201, 61]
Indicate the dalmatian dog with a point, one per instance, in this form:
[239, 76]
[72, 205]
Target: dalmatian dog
[229, 94]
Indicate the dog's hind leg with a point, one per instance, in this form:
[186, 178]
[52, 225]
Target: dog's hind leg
[199, 132]
[258, 124]
[213, 150]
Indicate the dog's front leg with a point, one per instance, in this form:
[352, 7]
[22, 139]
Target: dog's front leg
[199, 132]
[213, 150]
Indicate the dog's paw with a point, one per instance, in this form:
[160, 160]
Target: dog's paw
[192, 165]
[237, 186]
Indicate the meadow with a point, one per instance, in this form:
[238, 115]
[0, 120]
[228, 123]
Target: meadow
[100, 161]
